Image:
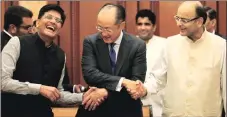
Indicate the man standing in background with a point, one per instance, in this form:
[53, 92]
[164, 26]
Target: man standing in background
[211, 22]
[17, 22]
[145, 26]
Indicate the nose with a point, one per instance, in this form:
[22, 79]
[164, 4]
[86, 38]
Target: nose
[104, 33]
[142, 26]
[179, 23]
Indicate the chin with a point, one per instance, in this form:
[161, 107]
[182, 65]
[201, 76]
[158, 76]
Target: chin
[51, 35]
[183, 34]
[108, 41]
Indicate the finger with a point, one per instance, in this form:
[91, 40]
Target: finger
[100, 100]
[92, 105]
[94, 108]
[86, 99]
[128, 89]
[56, 94]
[91, 89]
[88, 103]
[78, 89]
[135, 97]
[52, 98]
[137, 82]
[132, 92]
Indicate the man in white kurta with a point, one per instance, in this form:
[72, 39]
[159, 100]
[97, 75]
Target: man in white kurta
[192, 68]
[145, 27]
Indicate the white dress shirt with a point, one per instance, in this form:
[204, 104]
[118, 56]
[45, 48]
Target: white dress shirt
[116, 49]
[154, 49]
[10, 55]
[194, 76]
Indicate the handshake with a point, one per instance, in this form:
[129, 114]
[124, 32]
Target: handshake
[94, 96]
[134, 88]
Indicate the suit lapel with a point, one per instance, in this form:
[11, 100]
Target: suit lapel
[104, 55]
[122, 54]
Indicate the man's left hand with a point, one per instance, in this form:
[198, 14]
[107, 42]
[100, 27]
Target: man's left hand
[94, 97]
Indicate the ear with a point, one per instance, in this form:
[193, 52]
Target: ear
[122, 25]
[200, 21]
[213, 22]
[37, 23]
[12, 29]
[154, 28]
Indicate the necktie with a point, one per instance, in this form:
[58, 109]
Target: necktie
[112, 55]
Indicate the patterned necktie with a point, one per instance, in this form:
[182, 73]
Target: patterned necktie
[112, 54]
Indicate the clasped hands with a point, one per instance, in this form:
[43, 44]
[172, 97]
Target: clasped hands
[134, 88]
[94, 97]
[91, 99]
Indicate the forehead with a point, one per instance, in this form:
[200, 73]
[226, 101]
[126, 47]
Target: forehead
[143, 20]
[107, 17]
[27, 21]
[186, 11]
[53, 13]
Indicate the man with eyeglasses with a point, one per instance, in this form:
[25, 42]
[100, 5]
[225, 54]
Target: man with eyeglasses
[192, 69]
[113, 60]
[33, 69]
[17, 21]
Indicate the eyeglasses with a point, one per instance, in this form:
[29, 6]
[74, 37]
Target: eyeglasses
[102, 29]
[184, 20]
[28, 27]
[50, 17]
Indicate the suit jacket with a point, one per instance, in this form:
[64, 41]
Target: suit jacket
[216, 33]
[223, 111]
[4, 39]
[96, 67]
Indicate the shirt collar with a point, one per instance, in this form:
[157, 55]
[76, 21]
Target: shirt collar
[213, 32]
[201, 39]
[7, 33]
[118, 41]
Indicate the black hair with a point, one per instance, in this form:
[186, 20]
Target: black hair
[212, 14]
[54, 7]
[201, 13]
[14, 15]
[146, 13]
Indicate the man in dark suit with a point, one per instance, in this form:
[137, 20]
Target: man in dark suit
[210, 24]
[211, 21]
[112, 60]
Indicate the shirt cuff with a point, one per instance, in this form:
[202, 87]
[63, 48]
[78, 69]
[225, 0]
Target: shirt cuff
[74, 86]
[34, 88]
[119, 85]
[78, 97]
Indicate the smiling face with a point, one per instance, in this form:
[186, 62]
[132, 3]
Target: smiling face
[49, 24]
[187, 20]
[106, 25]
[145, 29]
